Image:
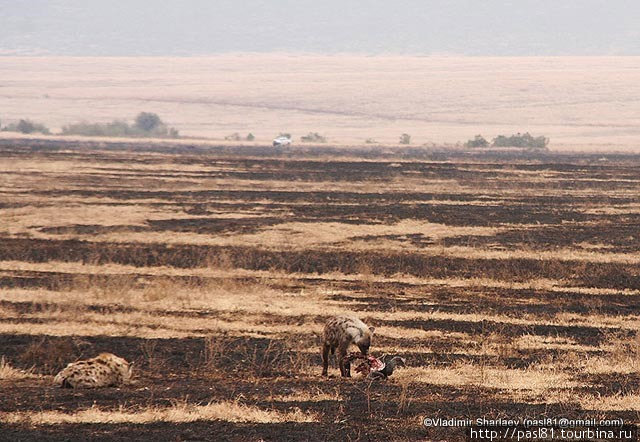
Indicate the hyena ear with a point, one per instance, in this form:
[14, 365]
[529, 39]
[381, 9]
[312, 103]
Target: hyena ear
[372, 329]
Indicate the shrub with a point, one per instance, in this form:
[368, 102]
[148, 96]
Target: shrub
[250, 137]
[146, 125]
[284, 134]
[478, 141]
[405, 139]
[148, 121]
[521, 140]
[150, 124]
[313, 137]
[27, 127]
[370, 141]
[233, 137]
[114, 129]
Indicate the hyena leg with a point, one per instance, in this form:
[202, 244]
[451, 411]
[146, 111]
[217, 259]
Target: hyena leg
[325, 359]
[345, 367]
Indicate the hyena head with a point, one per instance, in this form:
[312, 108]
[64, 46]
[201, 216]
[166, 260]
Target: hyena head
[364, 342]
[119, 366]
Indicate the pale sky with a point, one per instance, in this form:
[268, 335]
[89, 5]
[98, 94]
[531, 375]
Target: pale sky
[423, 27]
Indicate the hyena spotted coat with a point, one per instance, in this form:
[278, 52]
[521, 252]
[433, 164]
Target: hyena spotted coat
[340, 332]
[105, 370]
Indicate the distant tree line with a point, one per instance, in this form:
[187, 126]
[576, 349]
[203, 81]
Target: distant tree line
[146, 124]
[516, 140]
[149, 124]
[26, 127]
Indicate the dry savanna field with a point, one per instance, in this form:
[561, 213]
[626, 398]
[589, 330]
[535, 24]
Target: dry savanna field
[510, 283]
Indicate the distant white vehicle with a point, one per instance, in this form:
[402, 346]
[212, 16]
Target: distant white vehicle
[281, 141]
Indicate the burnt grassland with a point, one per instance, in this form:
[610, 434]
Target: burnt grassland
[510, 283]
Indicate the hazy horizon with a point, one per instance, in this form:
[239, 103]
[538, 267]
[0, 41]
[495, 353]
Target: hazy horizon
[577, 102]
[414, 27]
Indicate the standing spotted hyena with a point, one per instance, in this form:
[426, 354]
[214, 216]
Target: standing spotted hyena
[105, 370]
[340, 332]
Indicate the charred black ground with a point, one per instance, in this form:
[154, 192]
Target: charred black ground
[547, 209]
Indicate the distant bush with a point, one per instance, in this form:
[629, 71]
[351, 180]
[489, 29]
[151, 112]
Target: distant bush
[284, 134]
[237, 137]
[27, 127]
[313, 137]
[233, 137]
[114, 129]
[150, 124]
[405, 139]
[478, 141]
[370, 141]
[146, 124]
[521, 140]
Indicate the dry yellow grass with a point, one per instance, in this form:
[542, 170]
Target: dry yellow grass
[532, 342]
[465, 331]
[227, 411]
[315, 395]
[275, 275]
[610, 364]
[618, 402]
[296, 235]
[533, 379]
[533, 284]
[240, 308]
[250, 310]
[580, 102]
[7, 372]
[596, 402]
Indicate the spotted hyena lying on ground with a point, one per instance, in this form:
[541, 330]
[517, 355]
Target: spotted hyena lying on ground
[105, 370]
[340, 332]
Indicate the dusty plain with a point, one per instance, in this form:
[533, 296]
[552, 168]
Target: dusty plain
[580, 103]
